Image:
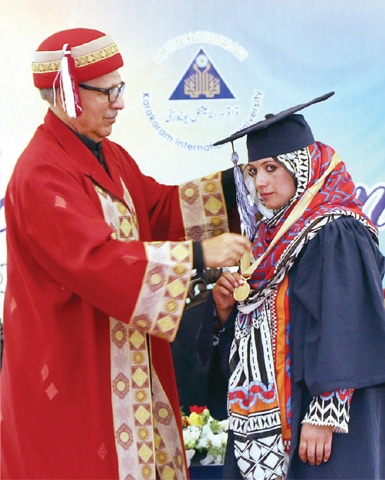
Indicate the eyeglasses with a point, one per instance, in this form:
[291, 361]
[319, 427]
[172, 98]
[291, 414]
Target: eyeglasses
[112, 93]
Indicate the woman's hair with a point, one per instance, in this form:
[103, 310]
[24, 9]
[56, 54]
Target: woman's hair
[289, 171]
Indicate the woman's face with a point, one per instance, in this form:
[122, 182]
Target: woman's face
[272, 181]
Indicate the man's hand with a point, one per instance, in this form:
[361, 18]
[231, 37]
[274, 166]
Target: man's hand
[315, 444]
[224, 250]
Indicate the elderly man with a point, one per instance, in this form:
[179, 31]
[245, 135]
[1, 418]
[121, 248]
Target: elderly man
[99, 263]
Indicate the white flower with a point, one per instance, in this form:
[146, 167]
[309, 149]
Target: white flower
[205, 438]
[207, 460]
[224, 425]
[189, 454]
[206, 435]
[216, 440]
[190, 436]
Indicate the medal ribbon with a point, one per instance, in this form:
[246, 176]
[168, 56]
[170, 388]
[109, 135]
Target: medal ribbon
[303, 203]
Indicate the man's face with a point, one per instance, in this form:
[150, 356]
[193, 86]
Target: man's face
[98, 114]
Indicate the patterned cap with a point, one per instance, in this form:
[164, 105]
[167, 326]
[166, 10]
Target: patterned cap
[94, 54]
[282, 133]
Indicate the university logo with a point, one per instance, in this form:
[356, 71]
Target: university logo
[198, 90]
[201, 81]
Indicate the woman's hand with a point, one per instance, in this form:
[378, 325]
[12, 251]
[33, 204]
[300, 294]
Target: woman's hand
[315, 444]
[223, 293]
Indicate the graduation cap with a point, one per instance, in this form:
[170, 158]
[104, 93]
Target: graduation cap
[281, 133]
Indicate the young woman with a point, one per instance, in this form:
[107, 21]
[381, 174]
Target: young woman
[305, 322]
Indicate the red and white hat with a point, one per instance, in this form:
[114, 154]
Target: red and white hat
[73, 56]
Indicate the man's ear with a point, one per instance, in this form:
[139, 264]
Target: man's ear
[58, 109]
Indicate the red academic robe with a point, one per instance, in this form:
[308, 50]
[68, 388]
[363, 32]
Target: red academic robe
[95, 291]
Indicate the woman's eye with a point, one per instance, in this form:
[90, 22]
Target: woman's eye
[252, 172]
[271, 168]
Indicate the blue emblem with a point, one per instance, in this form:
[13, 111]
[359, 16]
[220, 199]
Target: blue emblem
[201, 82]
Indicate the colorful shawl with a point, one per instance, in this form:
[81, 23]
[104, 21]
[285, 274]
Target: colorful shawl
[259, 386]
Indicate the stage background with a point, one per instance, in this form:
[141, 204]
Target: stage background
[252, 57]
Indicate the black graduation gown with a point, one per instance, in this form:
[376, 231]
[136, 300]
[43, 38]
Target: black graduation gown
[337, 340]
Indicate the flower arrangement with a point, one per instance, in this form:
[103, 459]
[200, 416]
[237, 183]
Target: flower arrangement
[204, 435]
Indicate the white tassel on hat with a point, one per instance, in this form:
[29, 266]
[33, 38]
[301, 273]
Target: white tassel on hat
[69, 90]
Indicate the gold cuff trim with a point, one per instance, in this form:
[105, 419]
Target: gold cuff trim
[162, 298]
[203, 207]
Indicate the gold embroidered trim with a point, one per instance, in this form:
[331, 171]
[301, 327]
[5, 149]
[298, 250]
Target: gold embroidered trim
[144, 424]
[81, 61]
[203, 207]
[168, 445]
[131, 402]
[121, 217]
[162, 298]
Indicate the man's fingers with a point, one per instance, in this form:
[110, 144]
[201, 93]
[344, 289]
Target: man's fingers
[225, 250]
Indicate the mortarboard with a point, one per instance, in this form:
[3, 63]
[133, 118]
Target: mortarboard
[281, 133]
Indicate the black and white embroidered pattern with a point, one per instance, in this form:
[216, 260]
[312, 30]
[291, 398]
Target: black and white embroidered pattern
[331, 409]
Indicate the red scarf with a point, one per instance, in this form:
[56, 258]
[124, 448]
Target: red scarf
[336, 197]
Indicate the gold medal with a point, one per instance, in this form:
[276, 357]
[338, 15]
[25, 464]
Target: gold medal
[242, 292]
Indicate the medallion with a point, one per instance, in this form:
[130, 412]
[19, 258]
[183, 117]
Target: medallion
[242, 292]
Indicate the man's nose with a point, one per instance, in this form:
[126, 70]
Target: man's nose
[119, 102]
